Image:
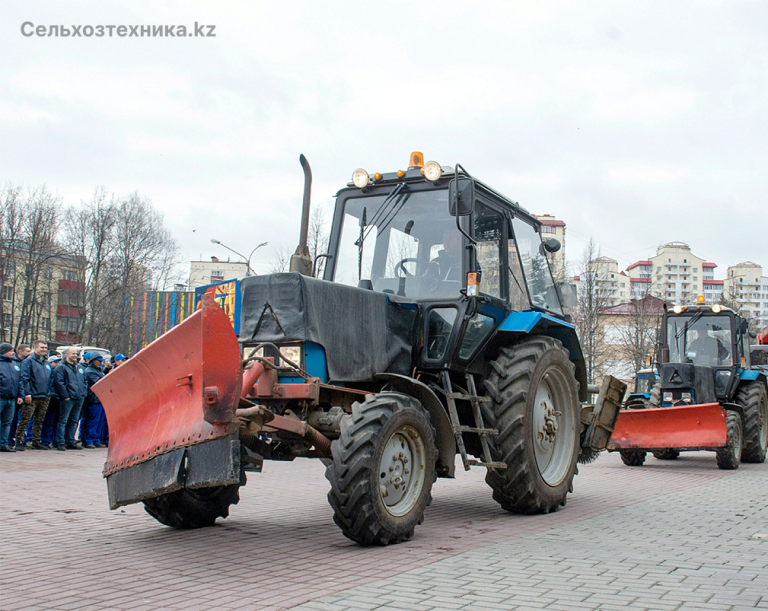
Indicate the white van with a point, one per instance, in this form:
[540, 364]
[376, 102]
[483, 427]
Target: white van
[107, 354]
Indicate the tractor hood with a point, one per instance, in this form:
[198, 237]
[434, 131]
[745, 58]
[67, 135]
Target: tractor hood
[361, 332]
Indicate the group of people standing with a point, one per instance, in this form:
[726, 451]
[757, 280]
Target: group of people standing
[52, 397]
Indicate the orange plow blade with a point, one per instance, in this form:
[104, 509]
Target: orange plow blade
[683, 427]
[178, 392]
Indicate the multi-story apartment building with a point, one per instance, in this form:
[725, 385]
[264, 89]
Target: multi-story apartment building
[213, 271]
[746, 290]
[48, 307]
[676, 275]
[609, 286]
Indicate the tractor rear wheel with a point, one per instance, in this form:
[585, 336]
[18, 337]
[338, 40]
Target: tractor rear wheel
[668, 454]
[535, 408]
[633, 458]
[752, 397]
[194, 508]
[730, 456]
[383, 469]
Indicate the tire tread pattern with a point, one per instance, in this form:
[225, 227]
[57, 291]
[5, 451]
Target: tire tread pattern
[508, 385]
[353, 468]
[751, 396]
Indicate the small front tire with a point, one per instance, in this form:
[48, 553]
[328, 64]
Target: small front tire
[194, 508]
[383, 469]
[667, 454]
[729, 457]
[633, 458]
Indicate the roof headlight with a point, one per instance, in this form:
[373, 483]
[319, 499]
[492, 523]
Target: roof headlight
[432, 171]
[716, 308]
[678, 309]
[360, 178]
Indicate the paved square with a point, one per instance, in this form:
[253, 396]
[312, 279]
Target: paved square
[670, 535]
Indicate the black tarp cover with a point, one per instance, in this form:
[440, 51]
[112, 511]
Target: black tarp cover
[361, 332]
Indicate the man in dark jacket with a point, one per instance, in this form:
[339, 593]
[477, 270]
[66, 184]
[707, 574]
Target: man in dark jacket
[92, 422]
[48, 435]
[11, 393]
[35, 378]
[69, 384]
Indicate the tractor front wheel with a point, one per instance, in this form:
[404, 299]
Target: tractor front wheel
[383, 469]
[752, 397]
[632, 458]
[729, 457]
[668, 454]
[535, 408]
[194, 508]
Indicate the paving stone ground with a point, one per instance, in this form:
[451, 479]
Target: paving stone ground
[670, 535]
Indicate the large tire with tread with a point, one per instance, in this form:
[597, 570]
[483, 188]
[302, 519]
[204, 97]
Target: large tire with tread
[535, 408]
[753, 398]
[187, 508]
[633, 458]
[667, 454]
[730, 456]
[383, 469]
[655, 399]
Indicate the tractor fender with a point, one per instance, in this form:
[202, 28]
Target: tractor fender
[444, 438]
[749, 375]
[537, 323]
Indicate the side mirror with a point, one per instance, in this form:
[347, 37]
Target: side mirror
[568, 295]
[744, 326]
[461, 196]
[552, 245]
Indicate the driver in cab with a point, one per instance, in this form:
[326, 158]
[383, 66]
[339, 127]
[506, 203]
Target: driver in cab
[709, 350]
[447, 264]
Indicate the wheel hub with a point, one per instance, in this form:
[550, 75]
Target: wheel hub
[552, 433]
[401, 470]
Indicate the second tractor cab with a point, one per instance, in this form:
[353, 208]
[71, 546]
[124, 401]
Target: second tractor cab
[645, 380]
[707, 397]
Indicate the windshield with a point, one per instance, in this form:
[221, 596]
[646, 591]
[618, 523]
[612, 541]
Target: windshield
[535, 266]
[405, 242]
[702, 340]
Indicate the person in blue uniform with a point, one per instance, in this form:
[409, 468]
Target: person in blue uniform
[48, 435]
[69, 384]
[11, 393]
[92, 422]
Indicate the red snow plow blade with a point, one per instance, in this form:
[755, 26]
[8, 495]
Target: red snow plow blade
[682, 427]
[179, 391]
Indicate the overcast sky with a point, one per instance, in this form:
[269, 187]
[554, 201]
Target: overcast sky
[637, 123]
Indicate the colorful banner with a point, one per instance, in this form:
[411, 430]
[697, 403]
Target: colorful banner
[227, 295]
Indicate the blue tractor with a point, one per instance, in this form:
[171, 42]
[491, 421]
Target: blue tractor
[708, 395]
[436, 330]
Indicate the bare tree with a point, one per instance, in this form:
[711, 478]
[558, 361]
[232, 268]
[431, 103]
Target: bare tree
[90, 233]
[10, 224]
[318, 240]
[638, 334]
[281, 260]
[588, 313]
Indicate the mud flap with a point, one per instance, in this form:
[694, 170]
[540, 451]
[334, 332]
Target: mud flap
[213, 463]
[683, 427]
[602, 420]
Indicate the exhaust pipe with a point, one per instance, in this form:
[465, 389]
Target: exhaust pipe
[301, 261]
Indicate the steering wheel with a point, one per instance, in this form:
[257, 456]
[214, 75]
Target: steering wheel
[401, 267]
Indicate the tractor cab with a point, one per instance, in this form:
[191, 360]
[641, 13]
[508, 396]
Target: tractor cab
[704, 348]
[434, 239]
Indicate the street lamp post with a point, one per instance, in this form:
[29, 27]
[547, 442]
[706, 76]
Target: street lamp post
[248, 269]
